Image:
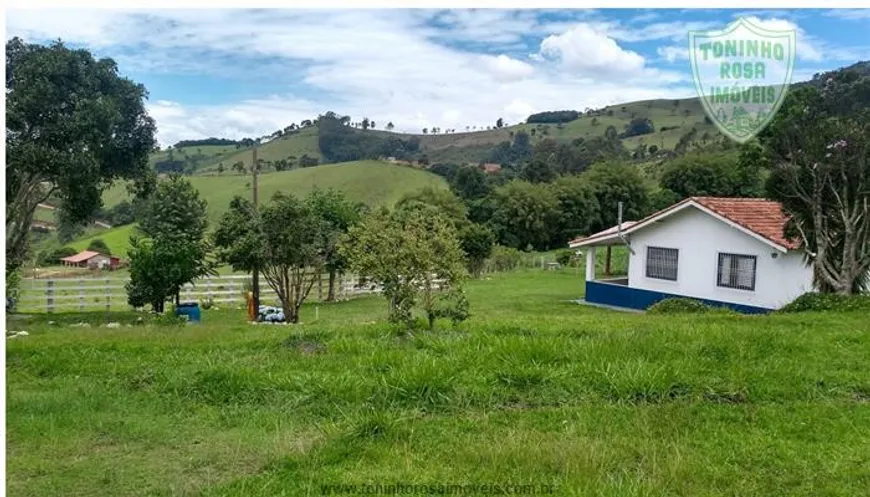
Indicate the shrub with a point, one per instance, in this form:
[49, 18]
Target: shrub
[503, 259]
[565, 257]
[51, 257]
[206, 303]
[98, 245]
[828, 302]
[679, 305]
[13, 290]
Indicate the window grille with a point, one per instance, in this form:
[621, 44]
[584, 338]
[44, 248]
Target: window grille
[736, 271]
[661, 263]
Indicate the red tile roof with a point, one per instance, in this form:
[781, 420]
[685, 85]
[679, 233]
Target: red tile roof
[764, 218]
[81, 256]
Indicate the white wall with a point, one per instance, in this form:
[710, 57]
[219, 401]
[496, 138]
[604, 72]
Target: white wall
[100, 261]
[699, 238]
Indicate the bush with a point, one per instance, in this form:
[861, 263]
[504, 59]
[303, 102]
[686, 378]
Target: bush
[679, 305]
[828, 302]
[52, 257]
[565, 257]
[13, 290]
[206, 303]
[98, 245]
[503, 259]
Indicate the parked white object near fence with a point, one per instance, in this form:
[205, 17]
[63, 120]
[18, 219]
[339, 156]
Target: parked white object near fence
[52, 295]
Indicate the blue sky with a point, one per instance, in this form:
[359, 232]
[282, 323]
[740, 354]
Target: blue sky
[237, 73]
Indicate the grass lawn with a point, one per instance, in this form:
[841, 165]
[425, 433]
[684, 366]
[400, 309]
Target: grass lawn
[532, 390]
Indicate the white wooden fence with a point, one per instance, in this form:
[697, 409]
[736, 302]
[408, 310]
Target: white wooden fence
[68, 294]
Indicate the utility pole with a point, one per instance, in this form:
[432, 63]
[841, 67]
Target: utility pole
[255, 276]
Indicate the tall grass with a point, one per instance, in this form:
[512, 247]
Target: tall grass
[532, 389]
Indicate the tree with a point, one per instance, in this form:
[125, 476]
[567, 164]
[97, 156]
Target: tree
[337, 214]
[477, 242]
[287, 241]
[73, 126]
[578, 210]
[639, 126]
[390, 126]
[820, 171]
[615, 182]
[524, 214]
[171, 238]
[499, 123]
[365, 123]
[470, 183]
[98, 245]
[702, 174]
[417, 259]
[538, 171]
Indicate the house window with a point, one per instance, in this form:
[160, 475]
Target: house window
[661, 263]
[736, 271]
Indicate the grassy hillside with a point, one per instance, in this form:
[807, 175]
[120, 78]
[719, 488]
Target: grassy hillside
[532, 390]
[370, 182]
[473, 146]
[195, 157]
[678, 115]
[294, 145]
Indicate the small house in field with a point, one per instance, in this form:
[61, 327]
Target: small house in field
[92, 260]
[491, 168]
[726, 252]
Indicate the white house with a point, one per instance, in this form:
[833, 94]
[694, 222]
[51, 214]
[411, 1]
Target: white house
[724, 251]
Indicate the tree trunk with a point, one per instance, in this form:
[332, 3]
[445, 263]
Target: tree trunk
[431, 317]
[330, 296]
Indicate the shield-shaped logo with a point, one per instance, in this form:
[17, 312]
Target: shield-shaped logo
[742, 74]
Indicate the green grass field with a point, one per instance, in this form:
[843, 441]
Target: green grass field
[532, 390]
[302, 142]
[370, 182]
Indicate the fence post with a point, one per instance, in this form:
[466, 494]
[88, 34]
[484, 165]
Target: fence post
[320, 286]
[108, 295]
[49, 292]
[81, 294]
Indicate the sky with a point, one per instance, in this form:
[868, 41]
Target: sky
[245, 73]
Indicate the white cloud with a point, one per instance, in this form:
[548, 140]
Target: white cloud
[505, 68]
[590, 52]
[387, 65]
[673, 53]
[806, 44]
[850, 14]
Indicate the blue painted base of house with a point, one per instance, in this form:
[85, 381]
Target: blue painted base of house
[598, 292]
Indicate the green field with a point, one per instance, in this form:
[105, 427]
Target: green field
[532, 390]
[370, 182]
[296, 144]
[196, 157]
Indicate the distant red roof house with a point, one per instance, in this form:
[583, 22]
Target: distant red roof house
[91, 259]
[491, 168]
[761, 217]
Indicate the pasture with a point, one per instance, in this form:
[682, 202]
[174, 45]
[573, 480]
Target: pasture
[532, 390]
[373, 183]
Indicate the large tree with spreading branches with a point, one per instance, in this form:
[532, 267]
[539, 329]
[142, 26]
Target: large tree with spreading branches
[73, 126]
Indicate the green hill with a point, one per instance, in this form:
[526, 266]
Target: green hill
[371, 182]
[291, 146]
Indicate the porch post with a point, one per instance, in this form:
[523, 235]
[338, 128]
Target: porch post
[590, 263]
